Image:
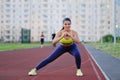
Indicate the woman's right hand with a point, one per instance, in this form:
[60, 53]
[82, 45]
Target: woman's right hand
[63, 34]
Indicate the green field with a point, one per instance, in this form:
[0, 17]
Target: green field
[15, 46]
[110, 48]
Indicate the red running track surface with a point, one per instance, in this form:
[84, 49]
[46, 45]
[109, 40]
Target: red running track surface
[14, 65]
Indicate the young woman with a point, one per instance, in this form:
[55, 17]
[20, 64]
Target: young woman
[68, 39]
[42, 39]
[53, 36]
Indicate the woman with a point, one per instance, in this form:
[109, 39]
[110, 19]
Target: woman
[53, 36]
[42, 39]
[68, 39]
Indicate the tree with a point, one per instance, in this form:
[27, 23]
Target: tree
[108, 38]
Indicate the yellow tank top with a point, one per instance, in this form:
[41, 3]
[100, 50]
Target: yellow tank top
[66, 41]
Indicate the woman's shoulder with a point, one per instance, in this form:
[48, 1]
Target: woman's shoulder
[73, 31]
[59, 33]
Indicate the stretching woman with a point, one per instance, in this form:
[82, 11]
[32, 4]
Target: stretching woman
[68, 39]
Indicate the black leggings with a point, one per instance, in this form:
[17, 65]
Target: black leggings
[73, 50]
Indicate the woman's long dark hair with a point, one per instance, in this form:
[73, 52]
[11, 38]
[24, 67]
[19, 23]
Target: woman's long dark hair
[66, 19]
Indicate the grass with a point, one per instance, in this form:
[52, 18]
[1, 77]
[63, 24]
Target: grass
[106, 47]
[15, 46]
[110, 48]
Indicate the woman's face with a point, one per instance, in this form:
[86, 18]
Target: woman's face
[66, 25]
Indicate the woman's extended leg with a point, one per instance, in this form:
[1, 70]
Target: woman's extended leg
[58, 52]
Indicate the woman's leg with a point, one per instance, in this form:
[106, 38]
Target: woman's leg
[58, 52]
[42, 42]
[76, 53]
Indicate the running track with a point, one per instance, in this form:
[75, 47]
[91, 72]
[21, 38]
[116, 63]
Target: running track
[14, 65]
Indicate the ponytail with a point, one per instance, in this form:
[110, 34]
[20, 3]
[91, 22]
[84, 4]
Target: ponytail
[62, 28]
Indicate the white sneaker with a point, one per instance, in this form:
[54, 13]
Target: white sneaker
[42, 46]
[32, 72]
[79, 73]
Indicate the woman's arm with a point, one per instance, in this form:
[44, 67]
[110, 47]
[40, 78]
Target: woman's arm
[57, 38]
[75, 37]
